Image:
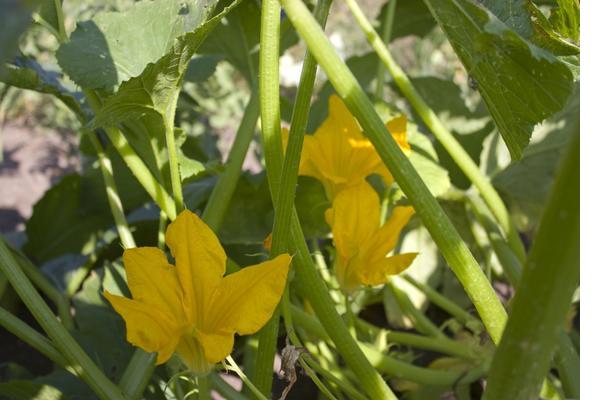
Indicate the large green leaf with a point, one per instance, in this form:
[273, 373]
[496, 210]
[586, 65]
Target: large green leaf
[116, 46]
[520, 83]
[26, 73]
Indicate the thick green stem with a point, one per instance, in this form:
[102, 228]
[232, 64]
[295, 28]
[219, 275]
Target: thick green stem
[443, 135]
[271, 138]
[544, 293]
[79, 360]
[137, 374]
[221, 195]
[453, 248]
[114, 201]
[386, 34]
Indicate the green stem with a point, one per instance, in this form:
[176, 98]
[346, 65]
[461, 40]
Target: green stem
[33, 338]
[85, 367]
[566, 358]
[233, 365]
[114, 201]
[445, 303]
[169, 122]
[162, 226]
[455, 251]
[442, 345]
[544, 293]
[386, 34]
[271, 137]
[443, 135]
[137, 166]
[202, 384]
[134, 380]
[422, 323]
[41, 282]
[221, 195]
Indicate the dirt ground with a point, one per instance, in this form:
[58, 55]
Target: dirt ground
[32, 160]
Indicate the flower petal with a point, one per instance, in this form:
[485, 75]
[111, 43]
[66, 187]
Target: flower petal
[397, 128]
[385, 238]
[147, 327]
[152, 280]
[376, 274]
[200, 261]
[245, 300]
[354, 218]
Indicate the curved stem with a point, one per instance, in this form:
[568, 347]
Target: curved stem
[114, 201]
[386, 34]
[443, 135]
[169, 122]
[453, 248]
[221, 195]
[233, 365]
[80, 361]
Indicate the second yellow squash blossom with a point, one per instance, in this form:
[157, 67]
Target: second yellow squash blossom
[362, 245]
[340, 156]
[191, 308]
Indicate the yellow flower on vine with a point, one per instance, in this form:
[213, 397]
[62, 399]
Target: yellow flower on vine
[190, 308]
[340, 156]
[361, 244]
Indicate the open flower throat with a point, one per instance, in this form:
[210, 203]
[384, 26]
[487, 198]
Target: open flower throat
[191, 308]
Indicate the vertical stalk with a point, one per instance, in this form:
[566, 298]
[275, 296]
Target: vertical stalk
[386, 34]
[221, 195]
[453, 248]
[169, 122]
[114, 201]
[445, 137]
[78, 359]
[271, 137]
[544, 293]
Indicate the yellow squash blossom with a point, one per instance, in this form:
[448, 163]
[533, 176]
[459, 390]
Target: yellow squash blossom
[339, 155]
[190, 308]
[362, 246]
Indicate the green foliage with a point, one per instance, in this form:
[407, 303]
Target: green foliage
[172, 77]
[520, 83]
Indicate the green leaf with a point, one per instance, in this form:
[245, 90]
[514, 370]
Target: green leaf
[28, 390]
[526, 183]
[520, 83]
[411, 17]
[311, 204]
[59, 223]
[116, 46]
[26, 73]
[15, 17]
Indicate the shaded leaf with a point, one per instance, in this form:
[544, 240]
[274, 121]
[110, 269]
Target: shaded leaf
[411, 17]
[520, 83]
[49, 16]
